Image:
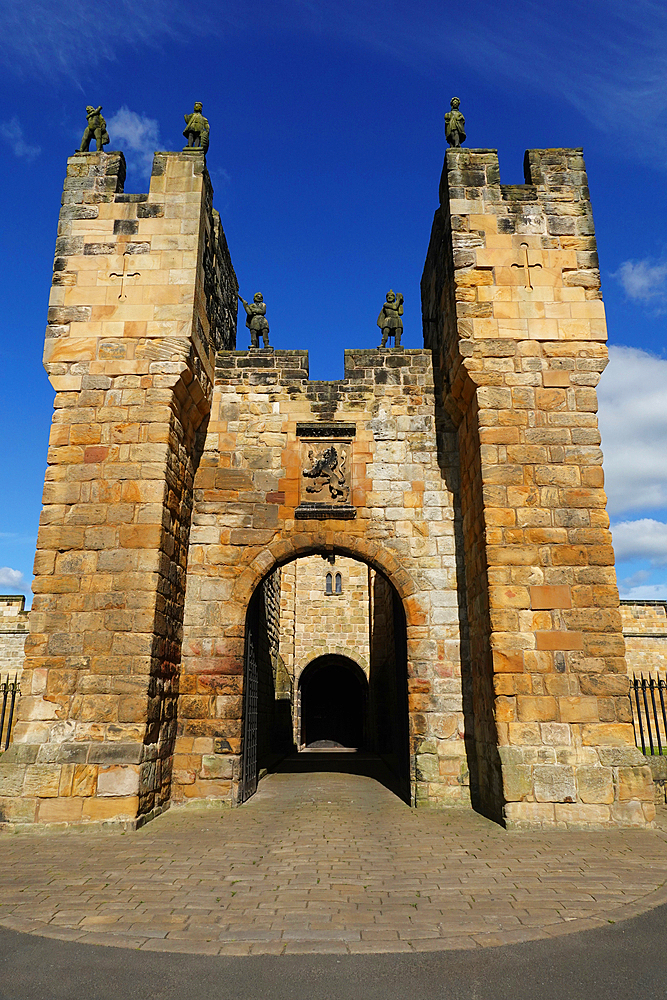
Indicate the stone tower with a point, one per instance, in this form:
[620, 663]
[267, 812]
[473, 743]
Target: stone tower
[514, 314]
[187, 478]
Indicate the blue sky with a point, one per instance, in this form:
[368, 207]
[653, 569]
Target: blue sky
[326, 148]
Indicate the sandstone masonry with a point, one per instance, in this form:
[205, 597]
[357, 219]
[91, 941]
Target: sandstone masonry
[165, 643]
[645, 633]
[13, 632]
[512, 308]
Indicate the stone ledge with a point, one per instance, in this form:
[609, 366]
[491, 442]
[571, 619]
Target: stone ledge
[321, 512]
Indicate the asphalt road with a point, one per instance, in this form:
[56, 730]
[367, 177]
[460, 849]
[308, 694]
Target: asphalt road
[626, 961]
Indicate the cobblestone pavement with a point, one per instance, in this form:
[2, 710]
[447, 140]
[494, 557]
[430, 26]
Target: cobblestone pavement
[324, 862]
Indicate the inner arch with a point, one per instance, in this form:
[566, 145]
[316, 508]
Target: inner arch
[333, 702]
[325, 662]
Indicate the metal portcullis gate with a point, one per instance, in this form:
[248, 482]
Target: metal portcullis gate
[251, 695]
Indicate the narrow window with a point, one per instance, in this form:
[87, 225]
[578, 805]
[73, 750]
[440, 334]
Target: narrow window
[339, 584]
[327, 587]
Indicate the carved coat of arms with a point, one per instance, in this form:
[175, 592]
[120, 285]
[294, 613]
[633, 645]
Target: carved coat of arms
[329, 478]
[325, 476]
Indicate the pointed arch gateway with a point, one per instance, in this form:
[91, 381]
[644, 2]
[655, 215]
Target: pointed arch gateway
[348, 691]
[363, 469]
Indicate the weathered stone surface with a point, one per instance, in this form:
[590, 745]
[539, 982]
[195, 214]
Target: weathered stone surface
[541, 595]
[554, 783]
[480, 593]
[118, 780]
[595, 784]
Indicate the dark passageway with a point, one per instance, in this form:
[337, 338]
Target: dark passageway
[334, 700]
[334, 708]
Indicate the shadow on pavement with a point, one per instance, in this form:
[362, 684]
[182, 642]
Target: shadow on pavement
[340, 762]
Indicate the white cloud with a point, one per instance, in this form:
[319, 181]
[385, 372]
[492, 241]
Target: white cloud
[12, 578]
[633, 423]
[643, 280]
[651, 592]
[134, 133]
[645, 538]
[12, 132]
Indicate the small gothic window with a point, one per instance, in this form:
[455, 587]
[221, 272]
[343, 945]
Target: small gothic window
[339, 584]
[327, 586]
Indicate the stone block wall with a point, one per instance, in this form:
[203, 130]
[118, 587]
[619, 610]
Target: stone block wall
[325, 623]
[645, 633]
[14, 621]
[247, 491]
[513, 312]
[143, 295]
[316, 623]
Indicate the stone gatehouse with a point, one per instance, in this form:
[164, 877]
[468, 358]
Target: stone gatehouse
[180, 642]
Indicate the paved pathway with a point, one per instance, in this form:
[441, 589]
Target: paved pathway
[324, 862]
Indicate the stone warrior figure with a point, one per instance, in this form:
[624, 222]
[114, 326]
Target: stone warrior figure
[389, 320]
[95, 129]
[196, 129]
[256, 320]
[455, 124]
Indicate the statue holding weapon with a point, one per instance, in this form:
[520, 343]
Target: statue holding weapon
[95, 129]
[256, 320]
[389, 320]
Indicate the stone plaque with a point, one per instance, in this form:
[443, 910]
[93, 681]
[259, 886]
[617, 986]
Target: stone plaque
[326, 479]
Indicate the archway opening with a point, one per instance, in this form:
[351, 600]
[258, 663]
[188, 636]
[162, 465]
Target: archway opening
[326, 663]
[333, 704]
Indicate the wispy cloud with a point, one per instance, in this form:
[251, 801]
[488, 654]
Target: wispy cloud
[136, 134]
[612, 72]
[12, 132]
[46, 39]
[11, 578]
[643, 280]
[633, 423]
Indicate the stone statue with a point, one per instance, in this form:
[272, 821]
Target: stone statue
[389, 320]
[95, 129]
[455, 124]
[256, 320]
[196, 129]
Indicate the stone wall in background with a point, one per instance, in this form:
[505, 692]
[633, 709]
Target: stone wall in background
[14, 623]
[327, 622]
[645, 632]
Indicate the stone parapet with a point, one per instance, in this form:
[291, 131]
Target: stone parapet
[513, 312]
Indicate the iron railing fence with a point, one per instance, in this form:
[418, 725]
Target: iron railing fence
[9, 690]
[648, 696]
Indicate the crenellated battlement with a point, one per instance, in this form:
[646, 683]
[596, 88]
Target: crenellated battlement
[184, 475]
